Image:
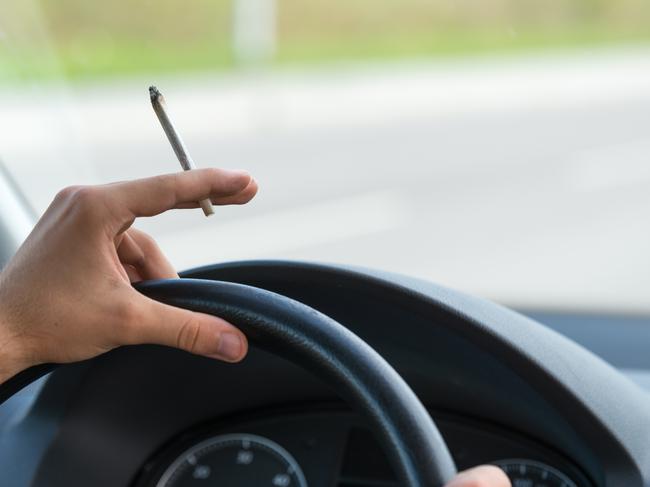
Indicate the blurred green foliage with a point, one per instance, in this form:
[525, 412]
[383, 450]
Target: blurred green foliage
[84, 38]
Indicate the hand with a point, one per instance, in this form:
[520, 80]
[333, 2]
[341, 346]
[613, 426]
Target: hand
[484, 476]
[67, 296]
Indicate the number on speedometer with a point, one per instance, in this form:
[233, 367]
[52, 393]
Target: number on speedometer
[234, 460]
[527, 473]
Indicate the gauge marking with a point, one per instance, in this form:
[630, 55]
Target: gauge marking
[526, 473]
[239, 458]
[201, 472]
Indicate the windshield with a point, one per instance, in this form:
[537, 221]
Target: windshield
[495, 146]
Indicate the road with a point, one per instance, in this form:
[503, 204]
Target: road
[521, 179]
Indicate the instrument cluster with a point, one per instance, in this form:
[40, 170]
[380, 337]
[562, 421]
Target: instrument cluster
[334, 448]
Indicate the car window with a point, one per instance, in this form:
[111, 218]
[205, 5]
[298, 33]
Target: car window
[495, 146]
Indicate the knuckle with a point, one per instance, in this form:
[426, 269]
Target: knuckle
[168, 185]
[188, 335]
[66, 193]
[139, 261]
[83, 199]
[147, 243]
[127, 314]
[125, 324]
[166, 181]
[84, 195]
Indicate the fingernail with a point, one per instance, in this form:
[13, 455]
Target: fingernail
[230, 347]
[237, 180]
[237, 172]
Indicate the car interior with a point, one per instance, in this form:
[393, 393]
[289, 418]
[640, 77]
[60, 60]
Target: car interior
[446, 264]
[501, 387]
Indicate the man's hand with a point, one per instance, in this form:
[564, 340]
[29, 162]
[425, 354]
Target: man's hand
[484, 476]
[67, 295]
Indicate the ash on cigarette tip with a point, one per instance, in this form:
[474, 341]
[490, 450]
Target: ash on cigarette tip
[153, 92]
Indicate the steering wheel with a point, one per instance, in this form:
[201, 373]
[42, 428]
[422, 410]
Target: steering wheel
[360, 375]
[316, 342]
[573, 398]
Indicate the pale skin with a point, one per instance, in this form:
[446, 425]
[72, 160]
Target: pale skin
[67, 294]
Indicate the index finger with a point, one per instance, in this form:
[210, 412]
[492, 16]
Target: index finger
[155, 195]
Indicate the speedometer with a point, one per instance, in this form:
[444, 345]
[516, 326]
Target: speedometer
[234, 460]
[527, 473]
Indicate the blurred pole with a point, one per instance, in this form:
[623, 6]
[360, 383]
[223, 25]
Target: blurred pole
[16, 217]
[254, 32]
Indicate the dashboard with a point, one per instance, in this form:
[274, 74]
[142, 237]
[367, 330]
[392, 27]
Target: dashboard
[330, 446]
[501, 389]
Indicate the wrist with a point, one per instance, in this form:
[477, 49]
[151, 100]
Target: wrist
[13, 358]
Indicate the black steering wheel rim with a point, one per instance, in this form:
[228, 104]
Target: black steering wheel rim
[308, 338]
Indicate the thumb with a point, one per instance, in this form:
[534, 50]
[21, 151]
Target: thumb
[194, 332]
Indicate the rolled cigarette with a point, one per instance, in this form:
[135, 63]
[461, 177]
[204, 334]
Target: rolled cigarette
[158, 104]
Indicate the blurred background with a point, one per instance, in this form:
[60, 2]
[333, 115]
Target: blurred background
[495, 146]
